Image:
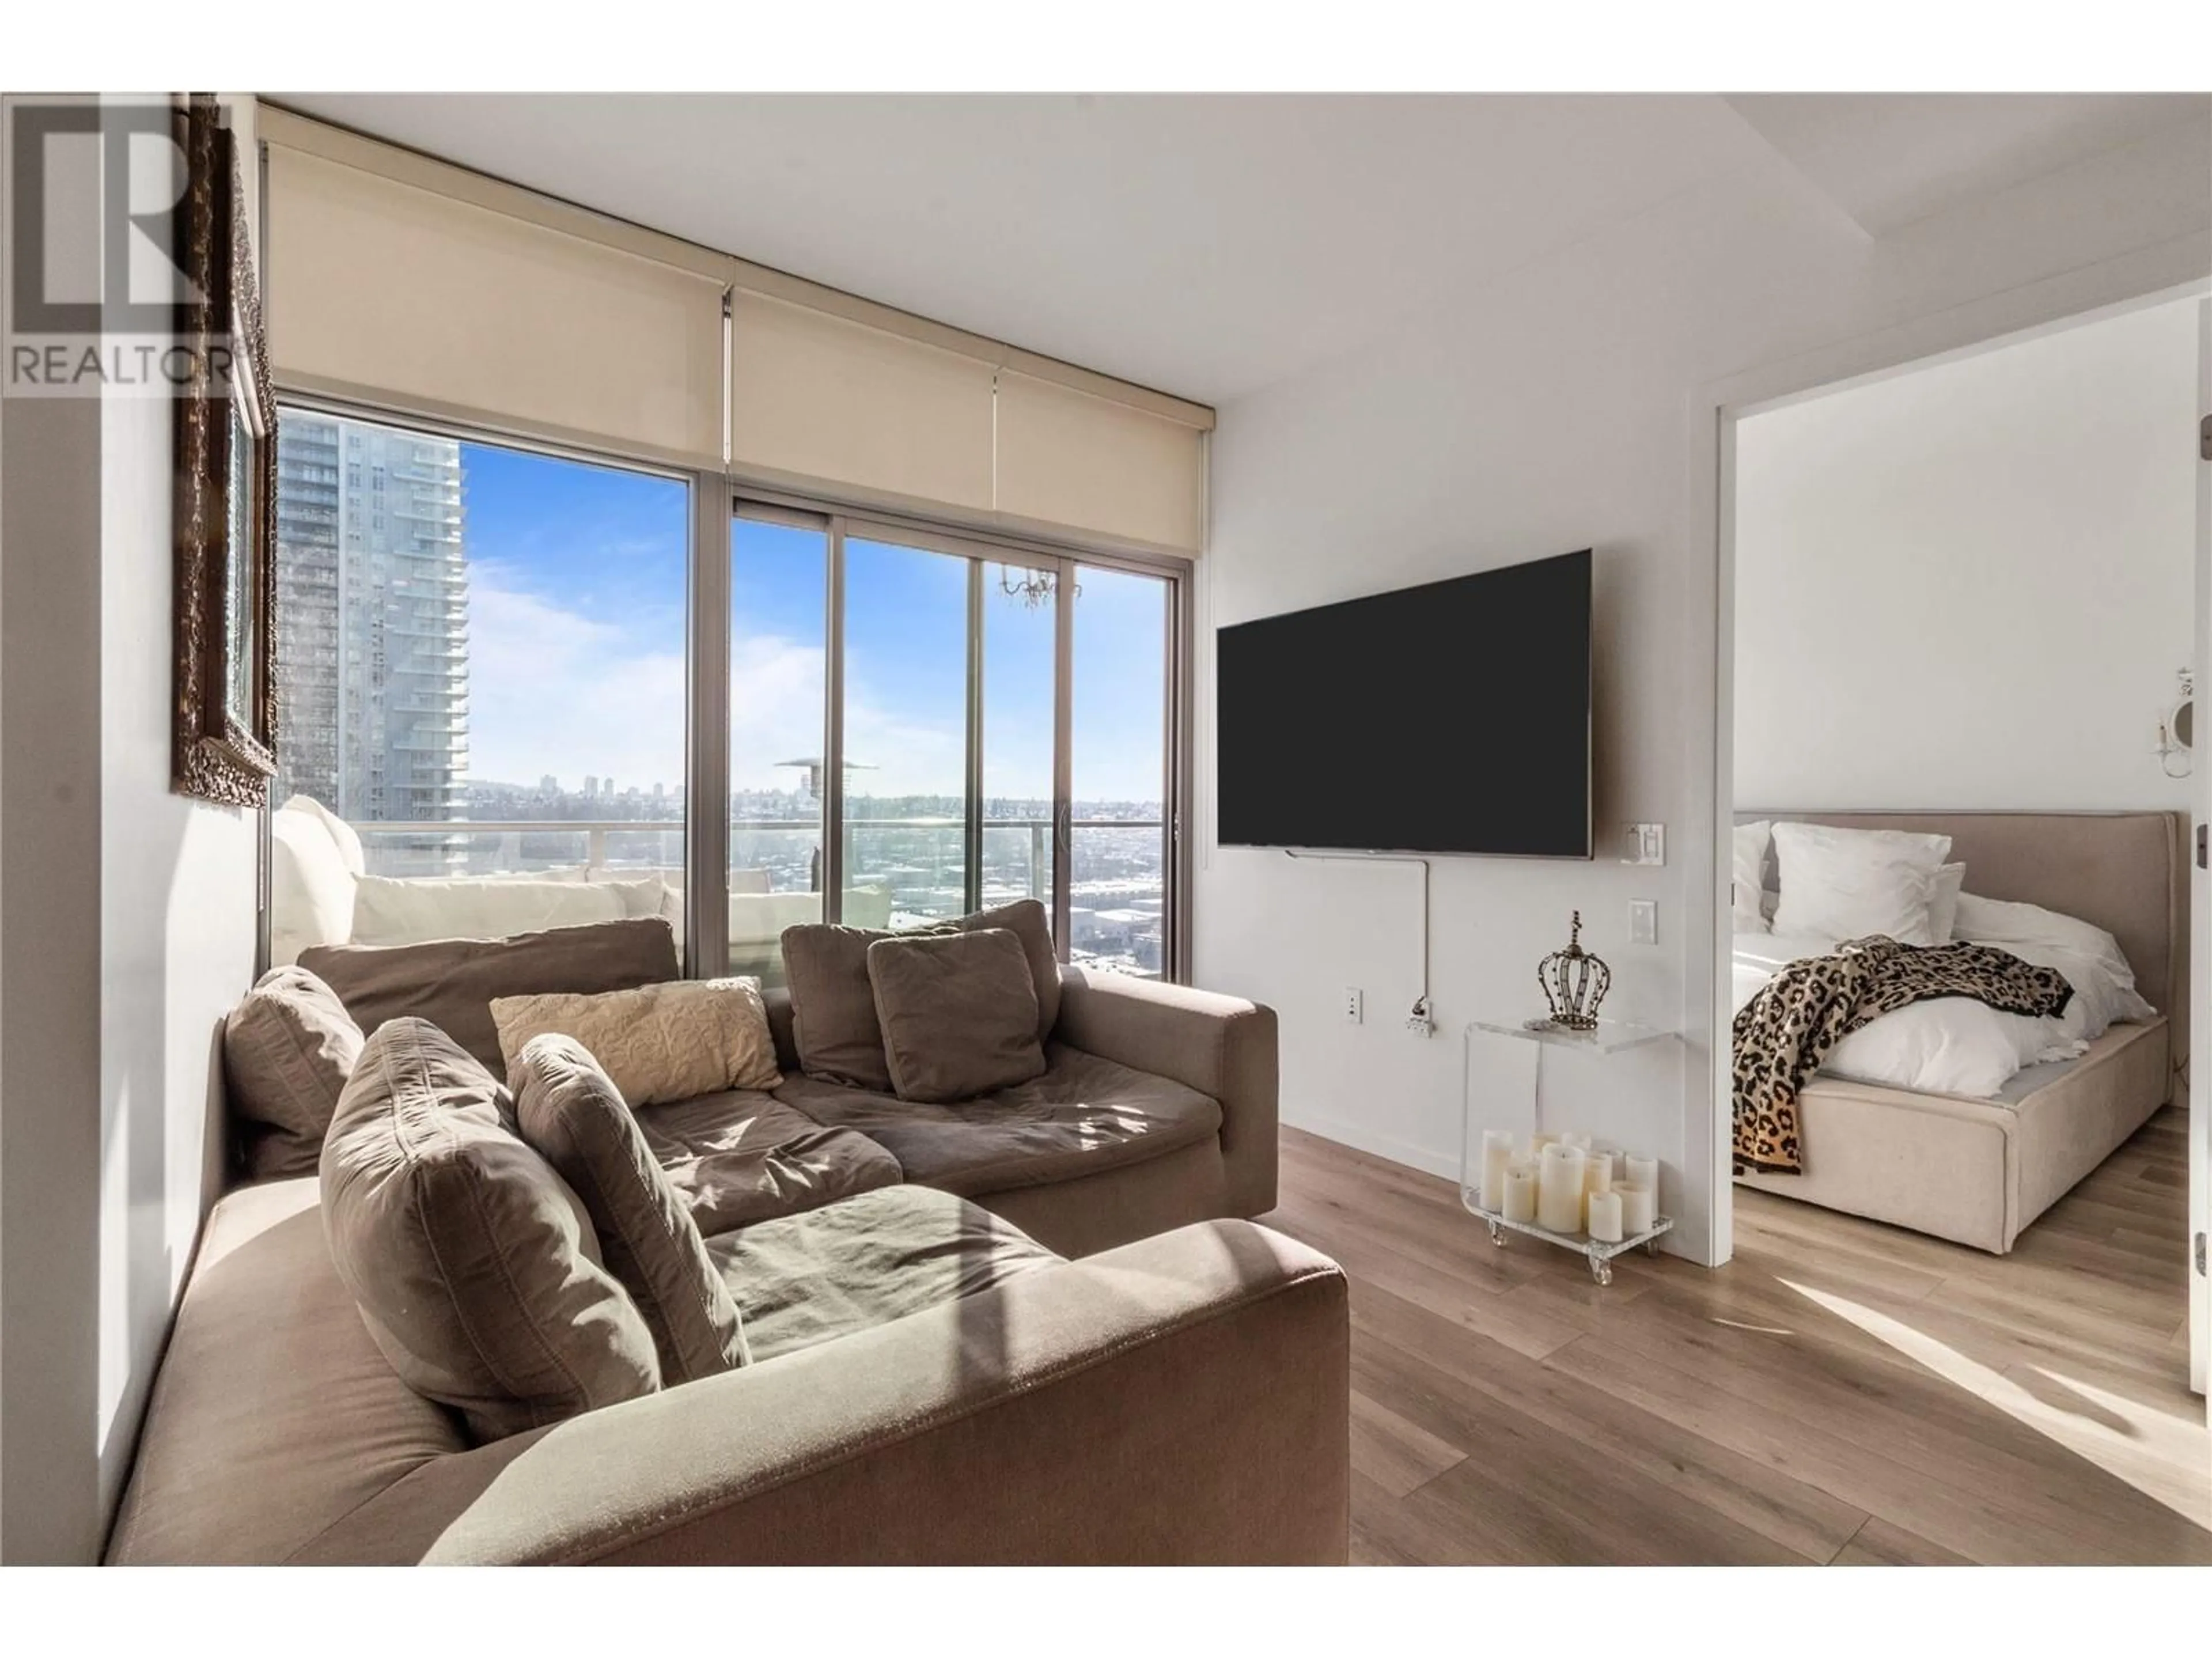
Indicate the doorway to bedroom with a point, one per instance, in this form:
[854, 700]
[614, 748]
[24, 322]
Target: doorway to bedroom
[1967, 618]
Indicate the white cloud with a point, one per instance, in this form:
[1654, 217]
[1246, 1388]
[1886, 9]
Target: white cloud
[553, 690]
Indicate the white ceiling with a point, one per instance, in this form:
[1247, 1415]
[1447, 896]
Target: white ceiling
[1889, 159]
[1207, 245]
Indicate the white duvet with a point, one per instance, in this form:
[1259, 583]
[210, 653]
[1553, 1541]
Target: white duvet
[1953, 1045]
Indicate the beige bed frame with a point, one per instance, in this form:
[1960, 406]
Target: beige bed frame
[1978, 1171]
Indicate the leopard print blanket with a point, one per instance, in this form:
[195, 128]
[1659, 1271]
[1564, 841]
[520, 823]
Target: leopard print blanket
[1784, 1032]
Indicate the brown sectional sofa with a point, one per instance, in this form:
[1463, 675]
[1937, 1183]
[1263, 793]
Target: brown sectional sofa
[1029, 1328]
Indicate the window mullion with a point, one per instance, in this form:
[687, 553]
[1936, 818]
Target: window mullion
[833, 734]
[1063, 758]
[707, 741]
[972, 840]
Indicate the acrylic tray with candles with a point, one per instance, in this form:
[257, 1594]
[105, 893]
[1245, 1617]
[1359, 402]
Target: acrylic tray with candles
[1563, 1190]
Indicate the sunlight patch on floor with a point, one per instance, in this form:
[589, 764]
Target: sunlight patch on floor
[2166, 1458]
[1762, 1330]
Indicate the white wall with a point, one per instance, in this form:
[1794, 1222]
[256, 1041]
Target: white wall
[131, 928]
[178, 929]
[1551, 410]
[1970, 585]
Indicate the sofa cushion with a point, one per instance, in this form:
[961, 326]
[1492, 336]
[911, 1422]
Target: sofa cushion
[452, 982]
[742, 1157]
[668, 1042]
[410, 910]
[474, 1265]
[287, 1048]
[1084, 1115]
[274, 1416]
[836, 1031]
[571, 1113]
[812, 1277]
[958, 1012]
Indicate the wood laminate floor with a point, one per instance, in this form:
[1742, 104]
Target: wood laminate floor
[1841, 1392]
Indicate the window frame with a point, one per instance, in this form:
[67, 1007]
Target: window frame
[981, 547]
[716, 501]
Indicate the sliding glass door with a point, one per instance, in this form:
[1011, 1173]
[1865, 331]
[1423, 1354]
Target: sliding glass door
[959, 724]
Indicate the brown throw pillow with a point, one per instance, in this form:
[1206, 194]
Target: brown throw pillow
[288, 1049]
[474, 1267]
[450, 983]
[658, 1042]
[834, 1024]
[571, 1112]
[958, 1013]
[1031, 923]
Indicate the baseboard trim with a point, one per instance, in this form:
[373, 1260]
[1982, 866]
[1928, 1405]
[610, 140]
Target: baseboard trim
[1359, 1139]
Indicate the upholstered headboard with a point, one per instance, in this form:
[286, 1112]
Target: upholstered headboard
[2126, 871]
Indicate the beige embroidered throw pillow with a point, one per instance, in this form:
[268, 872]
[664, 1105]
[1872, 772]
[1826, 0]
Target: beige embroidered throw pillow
[666, 1042]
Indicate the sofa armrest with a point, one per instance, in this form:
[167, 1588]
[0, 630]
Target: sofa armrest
[1182, 1399]
[1219, 1045]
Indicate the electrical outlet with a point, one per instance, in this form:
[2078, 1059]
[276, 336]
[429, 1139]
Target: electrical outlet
[1643, 922]
[1354, 1010]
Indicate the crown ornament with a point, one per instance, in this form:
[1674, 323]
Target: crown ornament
[1574, 982]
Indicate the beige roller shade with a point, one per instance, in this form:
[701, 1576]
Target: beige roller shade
[407, 296]
[818, 396]
[1065, 457]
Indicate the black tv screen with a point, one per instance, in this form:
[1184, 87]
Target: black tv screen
[1449, 718]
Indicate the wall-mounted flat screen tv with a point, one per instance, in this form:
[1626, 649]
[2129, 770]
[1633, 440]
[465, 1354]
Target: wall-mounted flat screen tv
[1453, 717]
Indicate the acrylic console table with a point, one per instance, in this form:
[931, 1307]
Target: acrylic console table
[1610, 1037]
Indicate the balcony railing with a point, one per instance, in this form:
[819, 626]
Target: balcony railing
[919, 861]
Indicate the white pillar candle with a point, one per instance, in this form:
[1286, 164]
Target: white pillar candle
[1597, 1177]
[1577, 1140]
[1605, 1217]
[1560, 1189]
[1497, 1154]
[1644, 1171]
[1540, 1139]
[1640, 1205]
[1520, 1202]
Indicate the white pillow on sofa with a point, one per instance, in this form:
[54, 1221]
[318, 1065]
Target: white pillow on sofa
[392, 910]
[1846, 883]
[1747, 879]
[343, 835]
[311, 892]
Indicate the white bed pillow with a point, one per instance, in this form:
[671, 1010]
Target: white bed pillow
[1846, 883]
[2005, 923]
[1748, 880]
[1943, 901]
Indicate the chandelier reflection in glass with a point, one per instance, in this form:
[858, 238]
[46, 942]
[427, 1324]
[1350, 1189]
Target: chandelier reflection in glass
[1034, 588]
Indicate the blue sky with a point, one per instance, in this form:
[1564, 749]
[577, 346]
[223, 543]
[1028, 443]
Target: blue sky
[577, 648]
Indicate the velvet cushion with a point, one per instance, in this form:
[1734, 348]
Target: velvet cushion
[834, 1024]
[571, 1113]
[958, 1013]
[452, 982]
[658, 1042]
[288, 1049]
[474, 1265]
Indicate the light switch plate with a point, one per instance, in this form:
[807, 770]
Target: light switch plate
[1643, 922]
[1645, 843]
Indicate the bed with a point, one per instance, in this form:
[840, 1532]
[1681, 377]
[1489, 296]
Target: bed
[1979, 1170]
